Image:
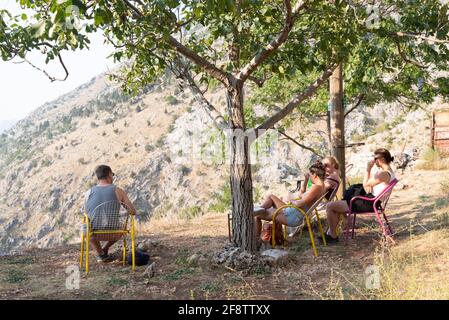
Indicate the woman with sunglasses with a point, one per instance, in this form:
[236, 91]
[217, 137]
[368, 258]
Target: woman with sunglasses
[373, 184]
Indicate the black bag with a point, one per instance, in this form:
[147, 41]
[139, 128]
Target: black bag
[142, 258]
[359, 205]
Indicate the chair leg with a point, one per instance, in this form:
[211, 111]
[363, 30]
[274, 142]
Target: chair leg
[82, 250]
[87, 251]
[353, 226]
[320, 228]
[229, 227]
[384, 230]
[348, 224]
[133, 245]
[284, 235]
[390, 229]
[311, 236]
[124, 250]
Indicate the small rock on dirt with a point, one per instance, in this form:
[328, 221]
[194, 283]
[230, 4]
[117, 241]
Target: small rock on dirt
[193, 259]
[150, 270]
[275, 256]
[143, 246]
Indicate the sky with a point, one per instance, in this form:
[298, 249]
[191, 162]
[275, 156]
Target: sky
[23, 88]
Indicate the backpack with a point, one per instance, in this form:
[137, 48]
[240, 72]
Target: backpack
[142, 258]
[359, 205]
[354, 190]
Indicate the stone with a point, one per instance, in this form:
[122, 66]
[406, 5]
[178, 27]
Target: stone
[401, 160]
[193, 259]
[239, 260]
[150, 271]
[275, 256]
[143, 246]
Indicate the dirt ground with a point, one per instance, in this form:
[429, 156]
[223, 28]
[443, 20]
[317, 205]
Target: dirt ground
[337, 272]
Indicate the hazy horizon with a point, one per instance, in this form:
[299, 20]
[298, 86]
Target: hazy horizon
[24, 89]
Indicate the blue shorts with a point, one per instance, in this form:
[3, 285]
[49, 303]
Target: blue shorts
[293, 216]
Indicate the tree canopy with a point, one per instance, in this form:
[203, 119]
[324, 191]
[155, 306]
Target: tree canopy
[391, 50]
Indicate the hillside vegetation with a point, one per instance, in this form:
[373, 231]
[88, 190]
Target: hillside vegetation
[47, 159]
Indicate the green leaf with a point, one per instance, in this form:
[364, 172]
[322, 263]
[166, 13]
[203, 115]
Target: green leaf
[38, 29]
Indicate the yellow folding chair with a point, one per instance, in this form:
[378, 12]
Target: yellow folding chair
[307, 218]
[109, 221]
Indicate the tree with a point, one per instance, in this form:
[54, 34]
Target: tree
[386, 64]
[232, 42]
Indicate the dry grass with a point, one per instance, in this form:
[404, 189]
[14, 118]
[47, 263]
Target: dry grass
[415, 269]
[433, 160]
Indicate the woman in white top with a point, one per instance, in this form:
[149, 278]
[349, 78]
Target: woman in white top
[373, 184]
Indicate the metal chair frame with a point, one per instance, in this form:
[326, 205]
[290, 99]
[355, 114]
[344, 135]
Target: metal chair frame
[307, 218]
[129, 229]
[383, 199]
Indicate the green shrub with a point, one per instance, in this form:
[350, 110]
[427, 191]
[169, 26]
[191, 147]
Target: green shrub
[382, 128]
[149, 147]
[171, 100]
[82, 161]
[45, 163]
[15, 276]
[190, 213]
[117, 282]
[160, 142]
[433, 160]
[443, 220]
[108, 121]
[222, 199]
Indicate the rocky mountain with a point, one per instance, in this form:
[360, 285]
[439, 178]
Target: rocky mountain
[164, 150]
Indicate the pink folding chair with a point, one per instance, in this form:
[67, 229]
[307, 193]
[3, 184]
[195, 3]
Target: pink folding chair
[379, 205]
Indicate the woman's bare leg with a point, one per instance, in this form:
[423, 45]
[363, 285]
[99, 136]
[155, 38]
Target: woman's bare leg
[267, 202]
[277, 203]
[333, 211]
[281, 219]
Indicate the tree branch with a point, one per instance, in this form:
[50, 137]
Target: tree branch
[299, 144]
[417, 36]
[357, 104]
[182, 72]
[257, 81]
[52, 78]
[404, 57]
[290, 18]
[213, 70]
[270, 122]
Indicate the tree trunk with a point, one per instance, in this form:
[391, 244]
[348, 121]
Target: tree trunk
[338, 123]
[243, 234]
